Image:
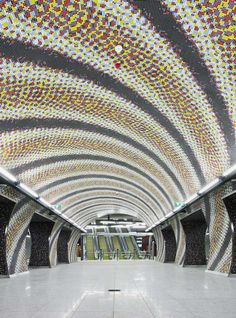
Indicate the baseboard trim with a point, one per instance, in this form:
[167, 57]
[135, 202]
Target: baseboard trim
[217, 273]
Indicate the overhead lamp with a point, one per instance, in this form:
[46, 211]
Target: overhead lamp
[27, 190]
[229, 171]
[107, 222]
[209, 186]
[169, 214]
[192, 198]
[178, 208]
[56, 211]
[45, 203]
[151, 227]
[6, 175]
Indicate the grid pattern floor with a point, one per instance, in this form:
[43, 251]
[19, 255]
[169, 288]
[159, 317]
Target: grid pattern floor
[148, 289]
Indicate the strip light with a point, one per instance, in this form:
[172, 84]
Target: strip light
[12, 180]
[178, 209]
[6, 175]
[230, 171]
[191, 199]
[45, 203]
[27, 190]
[169, 214]
[209, 186]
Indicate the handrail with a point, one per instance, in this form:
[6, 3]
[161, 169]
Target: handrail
[118, 254]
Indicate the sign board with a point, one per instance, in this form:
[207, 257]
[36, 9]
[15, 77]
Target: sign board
[179, 203]
[57, 206]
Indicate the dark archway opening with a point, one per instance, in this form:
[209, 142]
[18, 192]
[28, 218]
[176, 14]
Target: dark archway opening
[195, 228]
[230, 203]
[40, 231]
[62, 246]
[170, 244]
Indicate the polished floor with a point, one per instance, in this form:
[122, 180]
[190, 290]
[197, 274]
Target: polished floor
[147, 289]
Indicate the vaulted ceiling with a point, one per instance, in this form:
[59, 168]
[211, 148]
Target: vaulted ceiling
[132, 130]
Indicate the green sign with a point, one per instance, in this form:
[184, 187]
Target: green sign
[179, 203]
[57, 206]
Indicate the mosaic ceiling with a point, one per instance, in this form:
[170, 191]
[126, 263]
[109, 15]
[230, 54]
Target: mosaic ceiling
[117, 106]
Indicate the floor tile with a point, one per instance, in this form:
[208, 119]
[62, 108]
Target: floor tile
[52, 314]
[97, 302]
[132, 314]
[92, 314]
[148, 290]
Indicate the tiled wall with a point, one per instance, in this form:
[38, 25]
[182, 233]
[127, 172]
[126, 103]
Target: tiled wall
[6, 207]
[156, 129]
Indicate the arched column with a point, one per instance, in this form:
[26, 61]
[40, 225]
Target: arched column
[16, 235]
[6, 208]
[72, 246]
[53, 241]
[17, 230]
[230, 203]
[180, 240]
[160, 245]
[220, 231]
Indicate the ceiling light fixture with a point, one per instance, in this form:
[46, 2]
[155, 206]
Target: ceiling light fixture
[27, 190]
[206, 189]
[169, 214]
[192, 198]
[209, 186]
[45, 203]
[6, 175]
[229, 171]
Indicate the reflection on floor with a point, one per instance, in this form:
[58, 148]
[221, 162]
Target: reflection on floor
[148, 289]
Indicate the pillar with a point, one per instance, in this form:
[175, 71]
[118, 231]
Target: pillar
[53, 242]
[160, 245]
[6, 208]
[72, 245]
[230, 203]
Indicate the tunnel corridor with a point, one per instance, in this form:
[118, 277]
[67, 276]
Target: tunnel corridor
[125, 108]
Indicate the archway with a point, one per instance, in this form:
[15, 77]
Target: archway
[195, 226]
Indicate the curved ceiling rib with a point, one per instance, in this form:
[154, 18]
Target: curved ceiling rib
[75, 209]
[88, 213]
[189, 52]
[97, 191]
[122, 90]
[54, 189]
[96, 159]
[81, 122]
